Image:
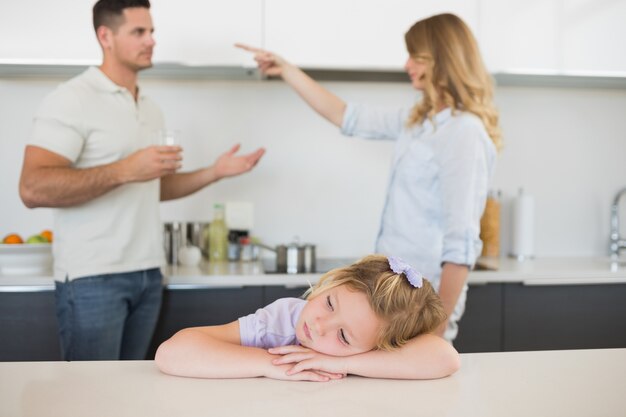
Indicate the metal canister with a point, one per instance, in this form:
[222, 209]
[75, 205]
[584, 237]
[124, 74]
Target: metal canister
[309, 257]
[173, 240]
[281, 258]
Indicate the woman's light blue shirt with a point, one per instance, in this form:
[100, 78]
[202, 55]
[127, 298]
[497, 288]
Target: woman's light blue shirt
[440, 176]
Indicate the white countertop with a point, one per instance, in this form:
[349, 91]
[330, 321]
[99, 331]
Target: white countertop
[568, 383]
[542, 271]
[550, 271]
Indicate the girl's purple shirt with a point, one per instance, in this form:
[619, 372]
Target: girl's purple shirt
[273, 325]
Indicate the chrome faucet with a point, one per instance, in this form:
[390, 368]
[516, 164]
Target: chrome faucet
[617, 243]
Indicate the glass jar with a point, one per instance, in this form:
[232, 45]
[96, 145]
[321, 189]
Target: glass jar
[218, 235]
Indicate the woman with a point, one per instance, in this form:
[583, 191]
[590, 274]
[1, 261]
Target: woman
[444, 155]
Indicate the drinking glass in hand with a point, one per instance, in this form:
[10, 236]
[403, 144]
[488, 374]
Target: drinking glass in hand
[167, 137]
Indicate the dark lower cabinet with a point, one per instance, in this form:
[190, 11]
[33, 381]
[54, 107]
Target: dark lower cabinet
[497, 317]
[480, 327]
[28, 327]
[28, 322]
[203, 307]
[273, 293]
[564, 317]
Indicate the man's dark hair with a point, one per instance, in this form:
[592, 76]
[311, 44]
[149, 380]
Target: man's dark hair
[109, 13]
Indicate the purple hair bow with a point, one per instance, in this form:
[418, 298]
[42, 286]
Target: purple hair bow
[400, 267]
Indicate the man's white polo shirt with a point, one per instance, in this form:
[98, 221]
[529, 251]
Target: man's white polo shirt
[92, 121]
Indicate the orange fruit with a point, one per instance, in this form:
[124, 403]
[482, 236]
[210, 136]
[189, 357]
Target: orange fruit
[47, 234]
[12, 238]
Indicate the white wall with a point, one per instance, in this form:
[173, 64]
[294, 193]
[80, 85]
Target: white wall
[565, 146]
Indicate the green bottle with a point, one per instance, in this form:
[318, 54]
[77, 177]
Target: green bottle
[218, 235]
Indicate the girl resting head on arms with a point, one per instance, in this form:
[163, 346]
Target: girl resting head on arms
[372, 318]
[367, 306]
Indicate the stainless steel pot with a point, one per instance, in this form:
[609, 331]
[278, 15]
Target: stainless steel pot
[294, 258]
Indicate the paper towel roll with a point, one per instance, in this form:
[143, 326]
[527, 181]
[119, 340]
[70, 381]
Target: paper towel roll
[523, 226]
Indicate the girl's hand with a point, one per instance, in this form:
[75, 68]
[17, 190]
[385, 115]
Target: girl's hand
[306, 359]
[268, 62]
[281, 372]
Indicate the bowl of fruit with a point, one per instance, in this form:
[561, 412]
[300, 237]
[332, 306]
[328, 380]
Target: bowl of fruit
[32, 255]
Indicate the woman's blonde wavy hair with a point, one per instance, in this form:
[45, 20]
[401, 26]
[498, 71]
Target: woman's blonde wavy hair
[406, 311]
[455, 75]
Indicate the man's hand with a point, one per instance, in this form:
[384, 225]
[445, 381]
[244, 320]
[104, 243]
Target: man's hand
[151, 163]
[228, 164]
[309, 360]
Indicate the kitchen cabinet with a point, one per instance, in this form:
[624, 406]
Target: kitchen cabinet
[203, 307]
[28, 323]
[590, 36]
[516, 36]
[196, 32]
[564, 316]
[28, 327]
[47, 31]
[186, 31]
[545, 37]
[274, 292]
[480, 328]
[552, 36]
[514, 316]
[498, 317]
[206, 307]
[364, 34]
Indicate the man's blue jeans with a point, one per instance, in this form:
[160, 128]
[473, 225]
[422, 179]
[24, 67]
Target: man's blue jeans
[108, 317]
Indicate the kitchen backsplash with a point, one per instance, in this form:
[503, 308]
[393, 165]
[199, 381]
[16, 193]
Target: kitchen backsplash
[566, 147]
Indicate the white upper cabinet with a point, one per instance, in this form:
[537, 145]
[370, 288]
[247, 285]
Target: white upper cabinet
[519, 36]
[593, 36]
[530, 36]
[553, 36]
[361, 34]
[199, 32]
[36, 31]
[186, 31]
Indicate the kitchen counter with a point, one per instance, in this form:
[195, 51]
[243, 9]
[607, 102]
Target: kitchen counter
[551, 271]
[546, 383]
[542, 271]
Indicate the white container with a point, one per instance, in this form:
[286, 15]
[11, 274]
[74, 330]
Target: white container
[189, 255]
[25, 258]
[523, 227]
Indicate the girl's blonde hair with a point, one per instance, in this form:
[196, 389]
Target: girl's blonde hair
[406, 311]
[455, 75]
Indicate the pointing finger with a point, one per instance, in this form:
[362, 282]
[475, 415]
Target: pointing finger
[248, 48]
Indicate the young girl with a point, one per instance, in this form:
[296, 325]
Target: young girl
[372, 318]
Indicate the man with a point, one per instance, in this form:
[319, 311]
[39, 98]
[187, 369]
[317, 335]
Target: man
[93, 156]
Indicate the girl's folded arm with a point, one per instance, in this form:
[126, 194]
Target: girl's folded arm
[424, 357]
[211, 352]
